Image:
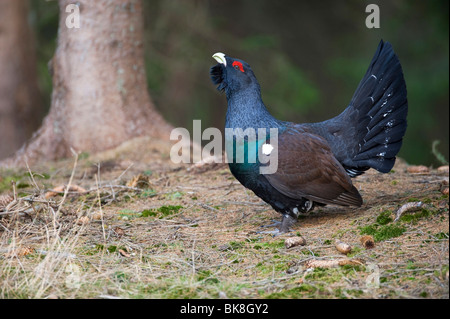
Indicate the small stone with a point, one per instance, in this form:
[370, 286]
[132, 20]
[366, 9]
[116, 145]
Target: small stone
[222, 295]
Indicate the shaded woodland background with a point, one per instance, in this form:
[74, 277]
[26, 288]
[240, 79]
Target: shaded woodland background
[308, 56]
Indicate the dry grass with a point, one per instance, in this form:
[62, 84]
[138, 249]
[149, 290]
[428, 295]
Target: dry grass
[192, 234]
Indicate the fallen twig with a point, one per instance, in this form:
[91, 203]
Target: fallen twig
[405, 208]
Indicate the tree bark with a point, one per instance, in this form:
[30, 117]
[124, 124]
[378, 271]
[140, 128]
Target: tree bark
[100, 96]
[21, 108]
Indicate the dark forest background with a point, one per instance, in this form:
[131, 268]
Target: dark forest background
[309, 57]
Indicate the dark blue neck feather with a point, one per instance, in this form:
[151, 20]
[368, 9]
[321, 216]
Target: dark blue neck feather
[247, 110]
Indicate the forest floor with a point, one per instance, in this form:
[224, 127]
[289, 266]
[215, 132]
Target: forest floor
[135, 225]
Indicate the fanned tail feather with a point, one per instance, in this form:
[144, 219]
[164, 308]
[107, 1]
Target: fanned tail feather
[374, 123]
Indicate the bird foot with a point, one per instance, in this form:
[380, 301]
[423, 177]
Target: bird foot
[274, 233]
[283, 227]
[276, 223]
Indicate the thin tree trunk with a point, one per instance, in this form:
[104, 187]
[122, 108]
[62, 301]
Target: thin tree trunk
[100, 96]
[21, 109]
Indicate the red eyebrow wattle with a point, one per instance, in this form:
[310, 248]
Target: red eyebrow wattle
[239, 64]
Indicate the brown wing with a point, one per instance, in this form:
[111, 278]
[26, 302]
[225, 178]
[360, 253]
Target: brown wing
[307, 168]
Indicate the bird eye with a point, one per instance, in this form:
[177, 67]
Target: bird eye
[238, 66]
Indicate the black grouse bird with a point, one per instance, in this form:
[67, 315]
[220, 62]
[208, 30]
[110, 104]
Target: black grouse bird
[316, 160]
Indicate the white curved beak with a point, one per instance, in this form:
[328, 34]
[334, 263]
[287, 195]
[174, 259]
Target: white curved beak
[220, 57]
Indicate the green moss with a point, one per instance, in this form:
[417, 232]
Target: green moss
[36, 175]
[128, 214]
[368, 230]
[355, 292]
[22, 180]
[169, 210]
[274, 244]
[355, 251]
[294, 293]
[148, 213]
[389, 231]
[121, 276]
[442, 235]
[91, 251]
[201, 286]
[112, 248]
[161, 212]
[206, 276]
[174, 195]
[147, 173]
[236, 245]
[148, 193]
[383, 232]
[83, 156]
[352, 268]
[269, 267]
[6, 182]
[384, 218]
[415, 216]
[326, 275]
[382, 229]
[309, 252]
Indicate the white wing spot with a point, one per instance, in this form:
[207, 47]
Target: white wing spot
[390, 123]
[267, 149]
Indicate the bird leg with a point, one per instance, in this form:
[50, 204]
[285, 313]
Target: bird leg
[286, 223]
[289, 219]
[283, 226]
[276, 223]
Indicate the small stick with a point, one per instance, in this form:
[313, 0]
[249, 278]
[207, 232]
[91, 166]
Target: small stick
[14, 189]
[405, 208]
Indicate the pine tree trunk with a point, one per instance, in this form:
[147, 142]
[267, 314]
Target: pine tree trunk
[100, 96]
[21, 109]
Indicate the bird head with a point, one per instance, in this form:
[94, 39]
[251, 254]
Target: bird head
[232, 75]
